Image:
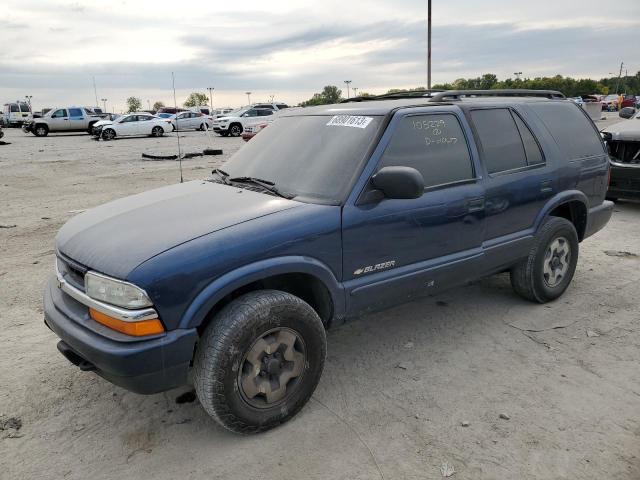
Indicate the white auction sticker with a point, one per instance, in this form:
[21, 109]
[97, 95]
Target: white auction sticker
[356, 121]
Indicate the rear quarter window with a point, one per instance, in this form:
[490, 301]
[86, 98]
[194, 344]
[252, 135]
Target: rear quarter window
[571, 129]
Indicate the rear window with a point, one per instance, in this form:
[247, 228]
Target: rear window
[570, 128]
[25, 107]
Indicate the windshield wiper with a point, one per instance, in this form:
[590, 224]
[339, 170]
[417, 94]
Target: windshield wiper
[222, 174]
[265, 184]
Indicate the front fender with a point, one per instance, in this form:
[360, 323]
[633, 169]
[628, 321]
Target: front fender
[231, 281]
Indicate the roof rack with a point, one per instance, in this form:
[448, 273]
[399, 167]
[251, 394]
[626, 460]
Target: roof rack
[394, 95]
[514, 92]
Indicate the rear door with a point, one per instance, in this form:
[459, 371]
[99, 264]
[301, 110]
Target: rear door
[77, 119]
[394, 249]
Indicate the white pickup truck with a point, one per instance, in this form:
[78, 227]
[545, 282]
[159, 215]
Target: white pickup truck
[62, 119]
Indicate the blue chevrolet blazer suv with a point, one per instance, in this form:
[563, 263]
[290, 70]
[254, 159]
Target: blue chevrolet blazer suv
[230, 282]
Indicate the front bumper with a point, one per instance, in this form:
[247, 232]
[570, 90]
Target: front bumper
[598, 217]
[625, 181]
[221, 128]
[142, 366]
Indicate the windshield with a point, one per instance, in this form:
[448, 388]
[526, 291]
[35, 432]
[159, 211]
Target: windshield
[307, 158]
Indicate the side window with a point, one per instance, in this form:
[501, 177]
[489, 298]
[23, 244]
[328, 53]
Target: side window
[432, 144]
[75, 112]
[500, 140]
[531, 147]
[252, 113]
[265, 113]
[15, 107]
[59, 113]
[571, 129]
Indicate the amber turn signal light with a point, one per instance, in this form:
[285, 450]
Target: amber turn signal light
[135, 329]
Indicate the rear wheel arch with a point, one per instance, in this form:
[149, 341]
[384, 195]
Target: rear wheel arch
[576, 212]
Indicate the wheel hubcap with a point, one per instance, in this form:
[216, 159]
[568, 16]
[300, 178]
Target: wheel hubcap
[556, 261]
[272, 368]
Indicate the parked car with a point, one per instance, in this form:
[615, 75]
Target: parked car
[251, 131]
[191, 121]
[331, 212]
[273, 106]
[623, 143]
[16, 114]
[204, 109]
[235, 122]
[170, 110]
[62, 119]
[1, 132]
[132, 124]
[221, 112]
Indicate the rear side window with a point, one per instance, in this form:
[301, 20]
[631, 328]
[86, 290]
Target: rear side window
[432, 144]
[570, 128]
[75, 112]
[531, 147]
[500, 140]
[15, 107]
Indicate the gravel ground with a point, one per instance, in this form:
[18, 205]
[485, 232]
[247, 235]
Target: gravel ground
[404, 391]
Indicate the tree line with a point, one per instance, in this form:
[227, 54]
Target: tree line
[570, 87]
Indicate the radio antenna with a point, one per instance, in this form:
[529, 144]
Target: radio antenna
[175, 104]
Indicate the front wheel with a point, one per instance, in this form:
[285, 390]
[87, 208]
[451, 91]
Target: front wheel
[41, 130]
[108, 134]
[235, 130]
[549, 268]
[157, 132]
[259, 361]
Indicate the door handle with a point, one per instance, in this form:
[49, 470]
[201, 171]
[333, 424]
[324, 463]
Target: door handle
[475, 205]
[546, 186]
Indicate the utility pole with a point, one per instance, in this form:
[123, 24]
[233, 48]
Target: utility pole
[95, 92]
[149, 104]
[211, 89]
[429, 45]
[104, 102]
[619, 75]
[248, 97]
[347, 82]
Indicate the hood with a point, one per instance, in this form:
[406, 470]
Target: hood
[102, 123]
[628, 130]
[116, 237]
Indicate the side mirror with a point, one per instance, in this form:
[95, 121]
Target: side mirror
[627, 112]
[399, 182]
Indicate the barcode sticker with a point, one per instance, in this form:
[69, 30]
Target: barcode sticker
[355, 121]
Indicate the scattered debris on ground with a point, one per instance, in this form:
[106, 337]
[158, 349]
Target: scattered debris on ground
[447, 470]
[592, 334]
[618, 253]
[186, 397]
[504, 416]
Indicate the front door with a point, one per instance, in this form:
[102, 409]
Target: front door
[395, 249]
[59, 121]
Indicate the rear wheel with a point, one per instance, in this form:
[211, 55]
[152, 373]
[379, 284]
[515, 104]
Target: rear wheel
[549, 268]
[108, 134]
[41, 130]
[157, 131]
[259, 361]
[90, 129]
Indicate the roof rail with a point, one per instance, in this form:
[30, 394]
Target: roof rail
[514, 92]
[394, 95]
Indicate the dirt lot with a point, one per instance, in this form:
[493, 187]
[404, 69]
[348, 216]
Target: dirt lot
[397, 385]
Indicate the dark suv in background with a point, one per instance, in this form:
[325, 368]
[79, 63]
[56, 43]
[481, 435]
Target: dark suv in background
[330, 213]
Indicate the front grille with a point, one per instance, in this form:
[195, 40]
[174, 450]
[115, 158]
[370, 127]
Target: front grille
[71, 271]
[625, 152]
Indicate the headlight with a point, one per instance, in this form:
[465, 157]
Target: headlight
[115, 292]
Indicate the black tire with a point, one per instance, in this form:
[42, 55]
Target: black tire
[40, 130]
[235, 129]
[224, 134]
[530, 278]
[90, 129]
[157, 131]
[108, 134]
[221, 366]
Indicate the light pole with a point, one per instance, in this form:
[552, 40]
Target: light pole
[248, 97]
[355, 91]
[211, 89]
[271, 97]
[29, 97]
[149, 104]
[104, 102]
[429, 45]
[619, 75]
[517, 74]
[347, 82]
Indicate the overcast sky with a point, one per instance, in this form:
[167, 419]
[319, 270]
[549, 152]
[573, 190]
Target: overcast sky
[52, 49]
